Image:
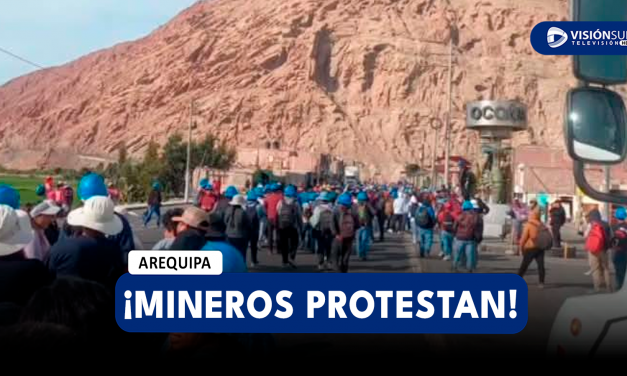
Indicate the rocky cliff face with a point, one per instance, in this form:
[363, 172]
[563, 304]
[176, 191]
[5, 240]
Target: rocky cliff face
[356, 78]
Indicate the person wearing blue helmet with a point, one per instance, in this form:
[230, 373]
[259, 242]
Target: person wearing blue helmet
[468, 231]
[366, 214]
[206, 198]
[619, 246]
[93, 185]
[223, 202]
[9, 196]
[41, 190]
[289, 226]
[154, 205]
[324, 229]
[348, 223]
[231, 192]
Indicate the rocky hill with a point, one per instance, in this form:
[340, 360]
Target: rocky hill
[356, 78]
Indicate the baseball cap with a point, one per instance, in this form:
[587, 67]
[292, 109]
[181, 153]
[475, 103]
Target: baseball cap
[194, 217]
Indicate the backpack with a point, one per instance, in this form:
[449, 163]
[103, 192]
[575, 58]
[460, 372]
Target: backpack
[347, 225]
[466, 227]
[364, 215]
[325, 223]
[389, 207]
[596, 241]
[619, 241]
[207, 201]
[448, 224]
[286, 215]
[544, 239]
[253, 213]
[232, 224]
[423, 219]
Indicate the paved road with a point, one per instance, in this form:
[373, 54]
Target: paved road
[565, 278]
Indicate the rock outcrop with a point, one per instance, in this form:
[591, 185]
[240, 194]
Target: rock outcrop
[354, 78]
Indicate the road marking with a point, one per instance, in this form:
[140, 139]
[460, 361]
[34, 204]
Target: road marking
[435, 341]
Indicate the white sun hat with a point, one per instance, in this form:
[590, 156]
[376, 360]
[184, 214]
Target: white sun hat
[47, 207]
[97, 214]
[238, 200]
[15, 230]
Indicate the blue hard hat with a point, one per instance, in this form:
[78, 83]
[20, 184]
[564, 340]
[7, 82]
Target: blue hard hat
[290, 191]
[259, 192]
[156, 186]
[332, 196]
[232, 260]
[324, 196]
[231, 192]
[41, 190]
[362, 196]
[274, 187]
[9, 196]
[467, 206]
[345, 200]
[204, 183]
[621, 214]
[92, 185]
[251, 196]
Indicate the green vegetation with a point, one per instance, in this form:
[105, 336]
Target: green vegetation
[27, 184]
[135, 178]
[167, 166]
[263, 177]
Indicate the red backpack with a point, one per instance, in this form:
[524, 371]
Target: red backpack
[208, 200]
[596, 242]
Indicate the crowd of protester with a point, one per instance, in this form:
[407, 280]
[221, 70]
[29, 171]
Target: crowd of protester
[59, 267]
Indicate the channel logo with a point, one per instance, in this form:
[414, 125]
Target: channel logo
[556, 37]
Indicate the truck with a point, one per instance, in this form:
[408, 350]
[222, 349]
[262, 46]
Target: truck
[351, 175]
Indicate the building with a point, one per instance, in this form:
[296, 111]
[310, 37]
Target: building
[541, 171]
[293, 167]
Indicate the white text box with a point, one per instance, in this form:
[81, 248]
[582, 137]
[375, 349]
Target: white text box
[175, 262]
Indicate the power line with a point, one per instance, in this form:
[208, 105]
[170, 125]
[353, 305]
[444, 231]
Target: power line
[30, 62]
[21, 58]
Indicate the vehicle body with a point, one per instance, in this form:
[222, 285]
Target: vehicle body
[351, 175]
[590, 326]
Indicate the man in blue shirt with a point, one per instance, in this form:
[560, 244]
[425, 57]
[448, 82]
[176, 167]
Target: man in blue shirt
[232, 260]
[425, 220]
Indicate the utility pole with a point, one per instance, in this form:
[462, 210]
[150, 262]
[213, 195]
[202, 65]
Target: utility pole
[447, 132]
[607, 205]
[189, 152]
[435, 124]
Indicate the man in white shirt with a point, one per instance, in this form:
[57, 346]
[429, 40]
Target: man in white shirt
[400, 212]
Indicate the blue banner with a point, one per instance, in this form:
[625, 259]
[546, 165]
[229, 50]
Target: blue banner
[323, 303]
[580, 38]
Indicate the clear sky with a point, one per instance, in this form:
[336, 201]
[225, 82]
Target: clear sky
[54, 32]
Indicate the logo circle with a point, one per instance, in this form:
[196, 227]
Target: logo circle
[556, 37]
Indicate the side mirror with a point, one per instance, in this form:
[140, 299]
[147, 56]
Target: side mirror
[595, 126]
[582, 183]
